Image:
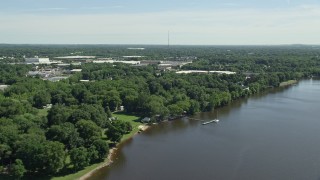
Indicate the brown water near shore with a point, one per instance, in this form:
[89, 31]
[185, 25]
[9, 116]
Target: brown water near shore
[274, 135]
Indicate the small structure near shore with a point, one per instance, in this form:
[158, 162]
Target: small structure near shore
[146, 120]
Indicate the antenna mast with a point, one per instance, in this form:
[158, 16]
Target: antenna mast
[168, 39]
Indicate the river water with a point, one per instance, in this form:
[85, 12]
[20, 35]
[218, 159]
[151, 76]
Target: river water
[271, 136]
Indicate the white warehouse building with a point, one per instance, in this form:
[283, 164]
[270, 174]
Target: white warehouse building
[37, 60]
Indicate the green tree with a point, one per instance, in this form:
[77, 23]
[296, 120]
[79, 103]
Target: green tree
[112, 100]
[58, 97]
[108, 112]
[17, 169]
[41, 99]
[79, 114]
[88, 130]
[24, 122]
[79, 158]
[194, 107]
[91, 112]
[5, 153]
[274, 80]
[10, 107]
[175, 110]
[102, 147]
[113, 133]
[58, 114]
[9, 132]
[54, 155]
[65, 133]
[124, 127]
[30, 152]
[93, 154]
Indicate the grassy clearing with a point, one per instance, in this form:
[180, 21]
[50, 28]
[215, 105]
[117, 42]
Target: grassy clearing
[78, 174]
[134, 120]
[287, 83]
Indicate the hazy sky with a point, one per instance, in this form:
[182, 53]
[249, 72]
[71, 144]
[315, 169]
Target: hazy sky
[212, 22]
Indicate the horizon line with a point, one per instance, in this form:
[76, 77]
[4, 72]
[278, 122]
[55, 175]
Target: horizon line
[155, 44]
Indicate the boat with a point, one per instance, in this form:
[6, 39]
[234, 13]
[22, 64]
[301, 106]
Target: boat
[211, 121]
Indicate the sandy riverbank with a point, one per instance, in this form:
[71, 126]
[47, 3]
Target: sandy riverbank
[108, 160]
[143, 127]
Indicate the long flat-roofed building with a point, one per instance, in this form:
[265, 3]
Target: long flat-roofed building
[115, 61]
[37, 60]
[76, 57]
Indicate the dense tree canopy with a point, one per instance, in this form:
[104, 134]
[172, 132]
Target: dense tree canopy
[79, 126]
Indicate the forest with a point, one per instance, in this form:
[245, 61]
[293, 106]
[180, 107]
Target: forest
[78, 129]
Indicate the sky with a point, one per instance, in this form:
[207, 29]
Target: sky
[190, 22]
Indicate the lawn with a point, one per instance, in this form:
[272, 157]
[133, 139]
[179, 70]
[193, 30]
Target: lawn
[134, 120]
[287, 83]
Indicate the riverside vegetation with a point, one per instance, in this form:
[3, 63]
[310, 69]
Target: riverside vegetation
[77, 130]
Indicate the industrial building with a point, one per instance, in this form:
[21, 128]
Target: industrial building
[37, 60]
[115, 61]
[83, 59]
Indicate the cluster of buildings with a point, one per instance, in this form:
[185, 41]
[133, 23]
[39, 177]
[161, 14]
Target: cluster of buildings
[50, 74]
[78, 60]
[58, 60]
[62, 64]
[169, 65]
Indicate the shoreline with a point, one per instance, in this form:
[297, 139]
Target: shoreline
[108, 161]
[141, 128]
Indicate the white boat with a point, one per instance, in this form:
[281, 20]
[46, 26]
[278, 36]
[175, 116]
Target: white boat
[211, 121]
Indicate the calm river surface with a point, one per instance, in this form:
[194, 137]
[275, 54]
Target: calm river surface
[274, 136]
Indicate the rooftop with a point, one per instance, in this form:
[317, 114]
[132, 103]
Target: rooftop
[76, 57]
[201, 71]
